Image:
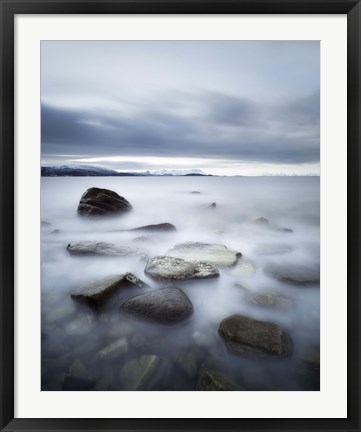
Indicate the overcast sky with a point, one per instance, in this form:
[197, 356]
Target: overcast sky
[226, 107]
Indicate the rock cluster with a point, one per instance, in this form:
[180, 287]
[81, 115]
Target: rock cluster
[241, 335]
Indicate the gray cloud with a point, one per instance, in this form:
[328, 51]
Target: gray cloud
[221, 127]
[255, 101]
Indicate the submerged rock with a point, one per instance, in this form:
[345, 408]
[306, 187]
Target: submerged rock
[217, 254]
[253, 338]
[213, 205]
[295, 274]
[158, 227]
[97, 292]
[214, 381]
[81, 326]
[262, 221]
[272, 249]
[145, 239]
[137, 374]
[165, 305]
[188, 362]
[101, 248]
[78, 377]
[285, 230]
[243, 268]
[101, 202]
[271, 300]
[307, 368]
[170, 268]
[114, 350]
[121, 330]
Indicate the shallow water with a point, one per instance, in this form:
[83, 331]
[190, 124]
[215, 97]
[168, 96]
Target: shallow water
[73, 332]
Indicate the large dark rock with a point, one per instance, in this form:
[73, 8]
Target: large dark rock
[298, 274]
[101, 248]
[169, 268]
[157, 227]
[253, 338]
[101, 202]
[99, 291]
[217, 254]
[165, 305]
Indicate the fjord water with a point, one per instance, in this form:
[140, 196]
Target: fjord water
[74, 333]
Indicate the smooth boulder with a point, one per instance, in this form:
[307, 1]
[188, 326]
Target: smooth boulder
[97, 292]
[271, 300]
[101, 248]
[298, 274]
[252, 338]
[170, 268]
[102, 202]
[217, 254]
[157, 227]
[165, 305]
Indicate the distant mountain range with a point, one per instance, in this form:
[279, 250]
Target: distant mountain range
[95, 171]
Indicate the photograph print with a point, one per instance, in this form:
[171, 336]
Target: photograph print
[180, 215]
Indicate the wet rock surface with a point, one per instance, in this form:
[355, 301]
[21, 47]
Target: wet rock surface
[170, 268]
[114, 350]
[157, 227]
[243, 268]
[99, 291]
[78, 377]
[293, 273]
[165, 305]
[252, 338]
[214, 381]
[102, 202]
[137, 374]
[271, 300]
[217, 254]
[101, 248]
[188, 362]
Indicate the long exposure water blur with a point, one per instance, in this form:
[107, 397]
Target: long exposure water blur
[269, 220]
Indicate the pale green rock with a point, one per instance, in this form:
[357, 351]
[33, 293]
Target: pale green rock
[187, 360]
[116, 349]
[170, 268]
[137, 373]
[243, 268]
[217, 254]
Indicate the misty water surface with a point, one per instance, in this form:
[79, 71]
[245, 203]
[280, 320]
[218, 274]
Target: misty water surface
[74, 332]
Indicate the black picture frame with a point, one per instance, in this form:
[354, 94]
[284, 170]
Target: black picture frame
[8, 10]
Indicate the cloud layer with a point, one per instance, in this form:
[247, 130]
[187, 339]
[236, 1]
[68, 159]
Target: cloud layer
[181, 118]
